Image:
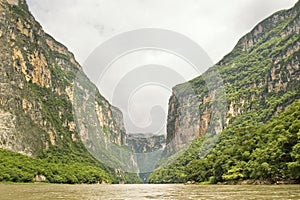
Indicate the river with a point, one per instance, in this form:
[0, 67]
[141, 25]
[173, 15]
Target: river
[147, 191]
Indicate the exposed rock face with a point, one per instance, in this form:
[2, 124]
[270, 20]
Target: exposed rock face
[263, 70]
[40, 178]
[37, 89]
[148, 150]
[145, 143]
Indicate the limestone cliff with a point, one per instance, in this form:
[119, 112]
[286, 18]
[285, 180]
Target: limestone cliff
[246, 110]
[145, 143]
[148, 150]
[38, 76]
[261, 74]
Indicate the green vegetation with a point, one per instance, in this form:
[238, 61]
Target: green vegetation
[20, 10]
[61, 157]
[15, 167]
[248, 150]
[260, 142]
[59, 166]
[69, 156]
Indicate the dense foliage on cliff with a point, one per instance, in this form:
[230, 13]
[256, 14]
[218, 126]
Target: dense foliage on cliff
[258, 141]
[15, 167]
[248, 150]
[58, 166]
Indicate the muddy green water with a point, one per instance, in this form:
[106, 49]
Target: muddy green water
[138, 192]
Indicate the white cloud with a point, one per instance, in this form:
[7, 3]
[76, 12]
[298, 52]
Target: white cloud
[215, 25]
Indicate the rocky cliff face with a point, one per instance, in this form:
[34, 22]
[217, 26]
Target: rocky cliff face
[261, 74]
[144, 143]
[246, 110]
[148, 150]
[39, 90]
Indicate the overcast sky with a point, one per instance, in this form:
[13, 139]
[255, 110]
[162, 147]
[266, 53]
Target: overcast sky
[215, 25]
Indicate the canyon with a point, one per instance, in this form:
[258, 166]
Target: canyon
[52, 115]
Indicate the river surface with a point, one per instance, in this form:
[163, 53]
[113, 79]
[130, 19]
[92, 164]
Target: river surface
[147, 191]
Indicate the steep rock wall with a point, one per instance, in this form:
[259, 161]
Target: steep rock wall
[37, 76]
[262, 71]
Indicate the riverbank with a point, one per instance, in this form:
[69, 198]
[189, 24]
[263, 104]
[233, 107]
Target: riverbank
[260, 182]
[248, 182]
